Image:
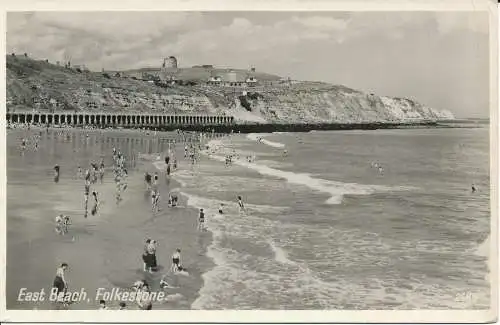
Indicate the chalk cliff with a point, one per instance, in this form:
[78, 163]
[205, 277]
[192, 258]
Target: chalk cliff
[41, 85]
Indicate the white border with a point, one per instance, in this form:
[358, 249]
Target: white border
[265, 316]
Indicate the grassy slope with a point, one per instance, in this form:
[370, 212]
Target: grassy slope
[30, 81]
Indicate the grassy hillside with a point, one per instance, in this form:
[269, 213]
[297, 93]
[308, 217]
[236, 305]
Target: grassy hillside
[35, 84]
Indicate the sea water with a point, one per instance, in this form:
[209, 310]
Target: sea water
[325, 229]
[322, 228]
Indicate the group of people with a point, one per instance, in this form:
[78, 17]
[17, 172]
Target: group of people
[96, 172]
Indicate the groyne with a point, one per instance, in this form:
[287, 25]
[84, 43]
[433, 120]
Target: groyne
[127, 120]
[201, 123]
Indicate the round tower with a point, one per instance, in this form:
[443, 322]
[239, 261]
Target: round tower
[170, 62]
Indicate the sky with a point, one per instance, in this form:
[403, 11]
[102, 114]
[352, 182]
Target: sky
[440, 59]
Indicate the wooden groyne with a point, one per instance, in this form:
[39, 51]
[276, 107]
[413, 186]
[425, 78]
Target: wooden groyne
[118, 119]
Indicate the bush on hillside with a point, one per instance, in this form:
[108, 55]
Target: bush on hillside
[244, 102]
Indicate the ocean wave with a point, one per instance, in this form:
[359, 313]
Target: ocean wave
[337, 190]
[257, 136]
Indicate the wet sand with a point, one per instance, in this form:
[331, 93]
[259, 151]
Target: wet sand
[103, 251]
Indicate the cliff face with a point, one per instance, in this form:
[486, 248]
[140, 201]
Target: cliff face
[43, 86]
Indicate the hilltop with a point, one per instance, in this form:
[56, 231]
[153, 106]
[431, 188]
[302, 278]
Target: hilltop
[37, 84]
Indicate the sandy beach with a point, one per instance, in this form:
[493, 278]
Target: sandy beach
[103, 251]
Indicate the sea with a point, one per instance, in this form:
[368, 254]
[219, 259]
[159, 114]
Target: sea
[322, 228]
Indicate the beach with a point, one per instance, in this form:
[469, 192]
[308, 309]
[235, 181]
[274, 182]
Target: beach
[103, 251]
[322, 227]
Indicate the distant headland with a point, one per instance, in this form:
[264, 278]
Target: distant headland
[246, 97]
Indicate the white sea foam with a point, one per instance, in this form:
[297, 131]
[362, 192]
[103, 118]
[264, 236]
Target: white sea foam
[279, 254]
[337, 190]
[256, 136]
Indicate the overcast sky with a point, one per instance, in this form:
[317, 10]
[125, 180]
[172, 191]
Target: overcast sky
[437, 58]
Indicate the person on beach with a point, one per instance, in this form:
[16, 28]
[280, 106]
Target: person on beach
[143, 298]
[102, 304]
[86, 195]
[96, 198]
[59, 224]
[176, 261]
[151, 248]
[147, 179]
[168, 170]
[221, 207]
[155, 200]
[79, 173]
[473, 188]
[96, 203]
[155, 179]
[145, 256]
[185, 151]
[201, 220]
[240, 204]
[164, 284]
[101, 171]
[23, 144]
[65, 224]
[87, 176]
[167, 159]
[57, 170]
[59, 281]
[122, 306]
[175, 164]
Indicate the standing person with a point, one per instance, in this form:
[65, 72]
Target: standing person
[147, 179]
[167, 158]
[155, 179]
[145, 256]
[201, 220]
[155, 200]
[221, 206]
[240, 204]
[57, 170]
[101, 170]
[59, 281]
[152, 253]
[86, 195]
[176, 261]
[96, 203]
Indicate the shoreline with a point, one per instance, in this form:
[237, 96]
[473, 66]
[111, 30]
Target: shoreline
[262, 128]
[205, 240]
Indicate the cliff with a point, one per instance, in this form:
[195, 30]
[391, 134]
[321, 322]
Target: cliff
[40, 85]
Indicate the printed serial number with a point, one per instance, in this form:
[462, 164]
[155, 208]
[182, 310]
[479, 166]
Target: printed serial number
[466, 296]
